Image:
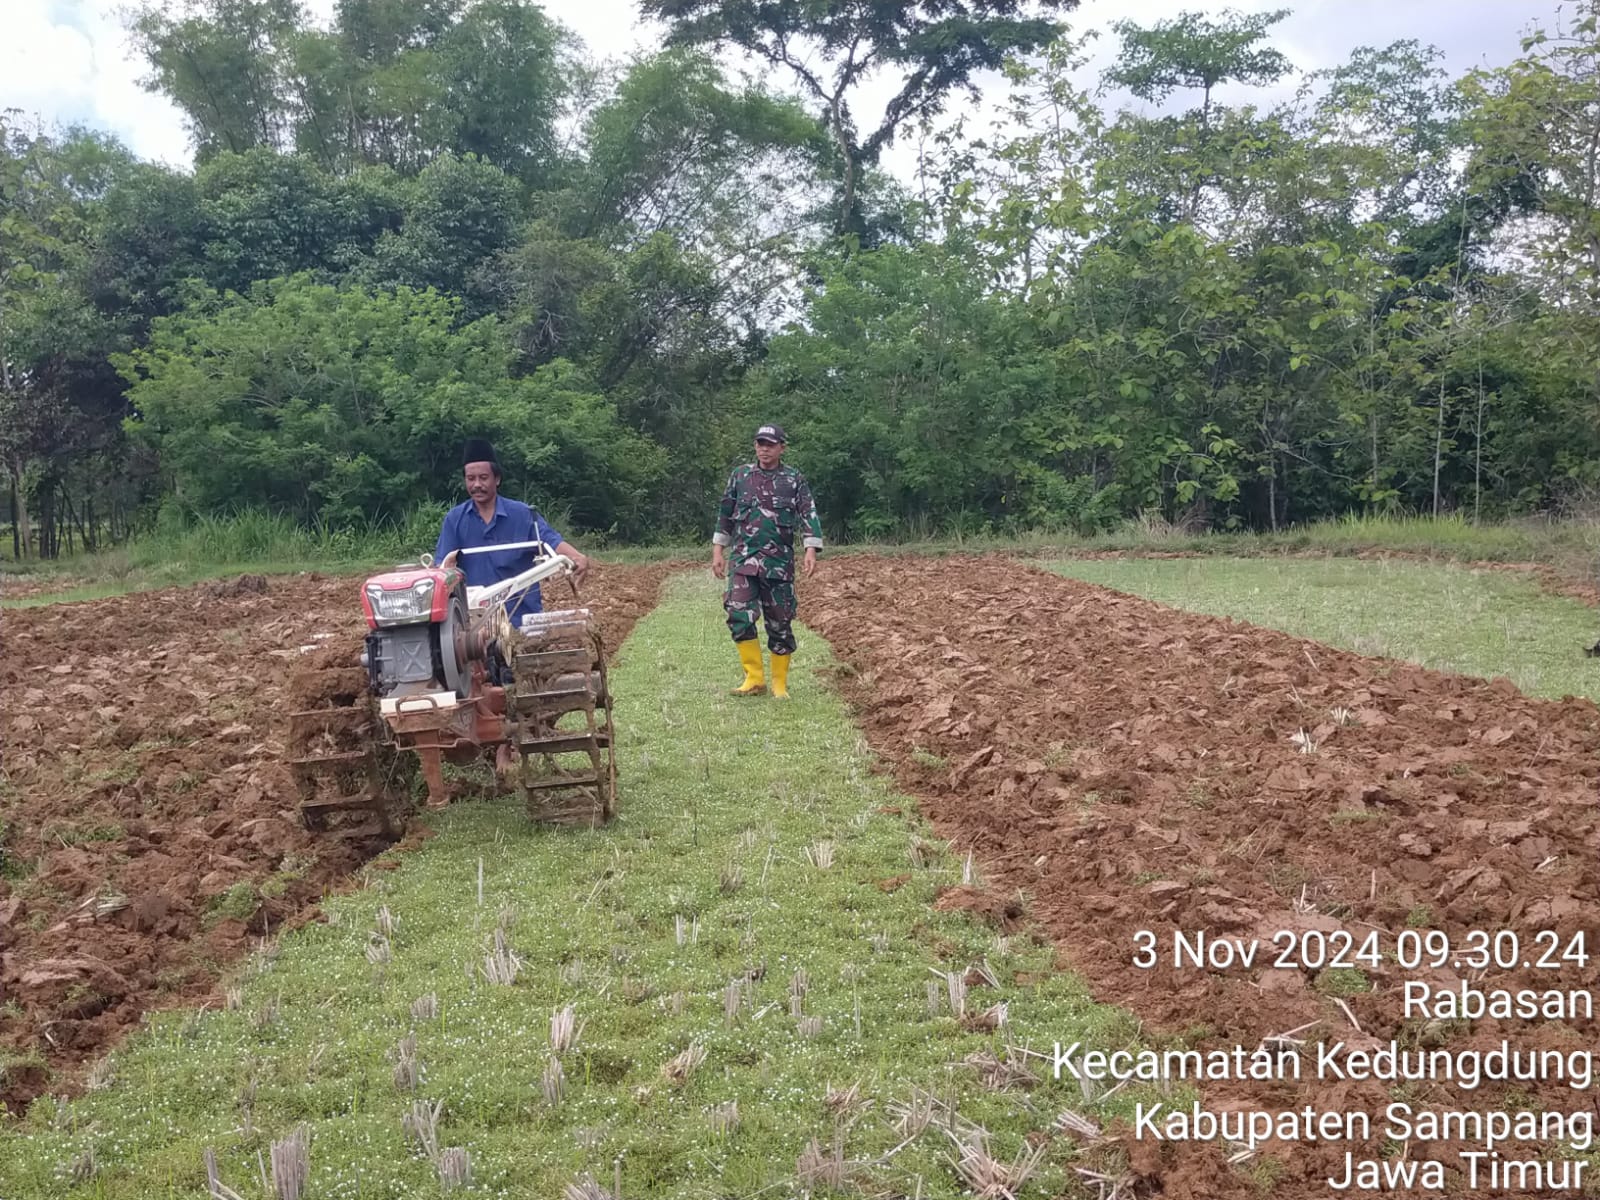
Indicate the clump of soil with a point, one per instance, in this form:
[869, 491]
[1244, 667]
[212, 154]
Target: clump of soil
[1004, 914]
[235, 589]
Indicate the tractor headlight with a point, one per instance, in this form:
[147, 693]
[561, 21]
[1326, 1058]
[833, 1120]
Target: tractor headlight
[401, 606]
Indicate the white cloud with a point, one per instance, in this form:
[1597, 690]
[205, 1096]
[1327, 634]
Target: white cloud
[71, 61]
[609, 28]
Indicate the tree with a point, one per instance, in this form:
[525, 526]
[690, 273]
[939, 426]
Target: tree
[1535, 126]
[937, 46]
[400, 82]
[1193, 51]
[228, 64]
[392, 82]
[56, 407]
[676, 150]
[923, 400]
[263, 214]
[1383, 292]
[669, 248]
[344, 406]
[449, 223]
[1398, 115]
[151, 237]
[242, 218]
[21, 240]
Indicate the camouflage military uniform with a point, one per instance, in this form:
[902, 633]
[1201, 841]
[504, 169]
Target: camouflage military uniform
[756, 522]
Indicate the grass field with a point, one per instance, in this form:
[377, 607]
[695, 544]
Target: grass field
[1446, 617]
[255, 543]
[734, 909]
[266, 544]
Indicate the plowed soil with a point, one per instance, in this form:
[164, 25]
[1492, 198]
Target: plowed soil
[148, 825]
[1133, 767]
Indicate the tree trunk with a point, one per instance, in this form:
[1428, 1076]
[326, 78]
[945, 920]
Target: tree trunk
[848, 200]
[47, 523]
[1477, 454]
[1272, 494]
[1373, 422]
[75, 521]
[1192, 206]
[1438, 448]
[848, 152]
[19, 510]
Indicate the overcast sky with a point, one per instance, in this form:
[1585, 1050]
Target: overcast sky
[70, 61]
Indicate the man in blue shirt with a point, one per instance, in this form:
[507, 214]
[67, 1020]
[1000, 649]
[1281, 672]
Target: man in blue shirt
[489, 519]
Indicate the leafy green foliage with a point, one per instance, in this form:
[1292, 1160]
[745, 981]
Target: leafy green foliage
[395, 83]
[263, 215]
[238, 903]
[227, 64]
[913, 395]
[456, 216]
[342, 404]
[1531, 124]
[431, 217]
[54, 398]
[675, 141]
[1193, 51]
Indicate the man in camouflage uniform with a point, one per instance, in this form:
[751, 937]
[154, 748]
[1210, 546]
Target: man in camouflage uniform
[756, 523]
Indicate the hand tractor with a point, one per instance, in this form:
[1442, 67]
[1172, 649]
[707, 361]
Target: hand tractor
[445, 676]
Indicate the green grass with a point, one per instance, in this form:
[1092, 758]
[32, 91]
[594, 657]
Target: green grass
[1472, 622]
[256, 543]
[263, 543]
[237, 903]
[1571, 544]
[75, 588]
[711, 785]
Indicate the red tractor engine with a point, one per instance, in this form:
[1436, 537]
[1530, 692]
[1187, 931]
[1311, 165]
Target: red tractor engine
[447, 676]
[421, 641]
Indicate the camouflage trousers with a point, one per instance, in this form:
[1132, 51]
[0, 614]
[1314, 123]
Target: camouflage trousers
[750, 596]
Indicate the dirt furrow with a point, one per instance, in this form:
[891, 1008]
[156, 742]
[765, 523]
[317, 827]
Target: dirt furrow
[148, 824]
[1136, 768]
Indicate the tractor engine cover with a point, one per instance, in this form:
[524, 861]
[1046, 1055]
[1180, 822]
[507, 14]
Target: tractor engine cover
[399, 656]
[422, 638]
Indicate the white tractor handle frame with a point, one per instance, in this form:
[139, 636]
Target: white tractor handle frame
[508, 592]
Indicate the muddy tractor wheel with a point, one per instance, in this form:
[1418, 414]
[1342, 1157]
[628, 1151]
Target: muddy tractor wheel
[561, 707]
[349, 776]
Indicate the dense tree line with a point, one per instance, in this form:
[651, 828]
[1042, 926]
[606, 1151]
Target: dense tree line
[436, 218]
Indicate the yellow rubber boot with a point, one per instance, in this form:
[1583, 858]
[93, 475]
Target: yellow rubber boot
[754, 681]
[780, 676]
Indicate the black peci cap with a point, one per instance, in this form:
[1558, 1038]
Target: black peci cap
[772, 433]
[478, 450]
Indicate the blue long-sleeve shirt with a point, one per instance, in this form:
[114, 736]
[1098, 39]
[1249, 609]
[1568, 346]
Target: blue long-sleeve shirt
[513, 521]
